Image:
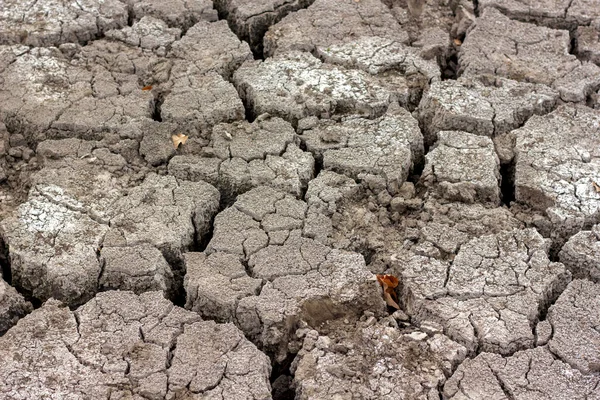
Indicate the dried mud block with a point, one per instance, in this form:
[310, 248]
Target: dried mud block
[581, 254]
[588, 42]
[297, 85]
[557, 164]
[302, 279]
[53, 22]
[148, 33]
[482, 106]
[211, 47]
[529, 374]
[77, 101]
[564, 14]
[574, 319]
[215, 284]
[386, 149]
[244, 155]
[167, 214]
[179, 13]
[430, 26]
[251, 19]
[374, 361]
[140, 268]
[398, 66]
[12, 306]
[120, 345]
[329, 22]
[199, 102]
[463, 167]
[490, 295]
[56, 238]
[496, 45]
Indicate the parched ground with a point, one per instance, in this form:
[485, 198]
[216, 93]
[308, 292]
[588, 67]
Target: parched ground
[197, 196]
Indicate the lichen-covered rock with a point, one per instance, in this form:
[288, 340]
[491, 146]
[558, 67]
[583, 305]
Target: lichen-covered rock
[251, 19]
[53, 22]
[386, 148]
[77, 102]
[497, 45]
[373, 361]
[529, 374]
[482, 106]
[398, 66]
[329, 22]
[179, 13]
[565, 14]
[244, 155]
[463, 167]
[297, 85]
[581, 254]
[574, 319]
[557, 160]
[304, 280]
[120, 345]
[12, 306]
[490, 295]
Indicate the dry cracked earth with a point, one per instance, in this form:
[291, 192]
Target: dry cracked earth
[452, 144]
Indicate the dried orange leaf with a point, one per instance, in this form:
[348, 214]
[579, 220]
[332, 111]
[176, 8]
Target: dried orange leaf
[180, 138]
[389, 280]
[457, 42]
[596, 186]
[149, 87]
[390, 301]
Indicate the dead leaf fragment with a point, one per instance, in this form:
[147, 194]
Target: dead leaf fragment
[149, 87]
[596, 186]
[178, 139]
[457, 42]
[388, 283]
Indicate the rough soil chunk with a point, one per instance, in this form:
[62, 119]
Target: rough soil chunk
[297, 85]
[76, 101]
[499, 46]
[12, 306]
[179, 13]
[490, 295]
[387, 148]
[557, 164]
[53, 22]
[529, 374]
[397, 65]
[374, 362]
[486, 107]
[244, 155]
[581, 254]
[463, 167]
[565, 14]
[574, 319]
[304, 279]
[329, 22]
[251, 19]
[120, 345]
